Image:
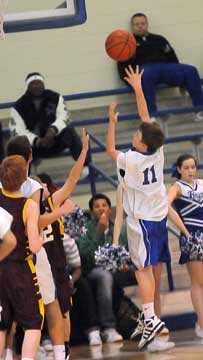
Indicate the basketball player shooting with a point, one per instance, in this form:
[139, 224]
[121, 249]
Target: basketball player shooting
[140, 173]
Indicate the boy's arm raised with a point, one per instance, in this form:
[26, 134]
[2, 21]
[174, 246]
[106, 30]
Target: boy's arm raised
[64, 192]
[134, 78]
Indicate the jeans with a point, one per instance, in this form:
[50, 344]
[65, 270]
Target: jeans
[102, 283]
[172, 74]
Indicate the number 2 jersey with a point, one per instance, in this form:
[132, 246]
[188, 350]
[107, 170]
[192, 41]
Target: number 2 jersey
[53, 239]
[141, 177]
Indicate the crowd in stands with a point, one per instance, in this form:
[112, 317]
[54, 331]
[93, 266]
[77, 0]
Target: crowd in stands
[84, 301]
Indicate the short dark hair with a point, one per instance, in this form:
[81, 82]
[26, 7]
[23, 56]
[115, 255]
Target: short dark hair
[19, 145]
[32, 74]
[152, 135]
[13, 172]
[138, 15]
[46, 179]
[96, 197]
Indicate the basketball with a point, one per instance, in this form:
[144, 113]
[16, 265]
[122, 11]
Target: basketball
[120, 45]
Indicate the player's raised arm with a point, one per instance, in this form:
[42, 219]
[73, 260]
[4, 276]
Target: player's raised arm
[65, 191]
[110, 141]
[134, 78]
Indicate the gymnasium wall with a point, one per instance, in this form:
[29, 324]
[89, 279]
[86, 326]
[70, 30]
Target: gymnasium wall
[73, 59]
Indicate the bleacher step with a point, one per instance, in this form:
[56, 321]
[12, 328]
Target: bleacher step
[172, 302]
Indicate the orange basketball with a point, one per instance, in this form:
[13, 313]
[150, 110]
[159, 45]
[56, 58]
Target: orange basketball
[120, 45]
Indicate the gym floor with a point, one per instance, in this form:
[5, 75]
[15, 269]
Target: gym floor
[188, 347]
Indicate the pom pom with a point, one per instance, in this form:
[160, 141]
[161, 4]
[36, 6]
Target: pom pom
[193, 246]
[75, 223]
[112, 258]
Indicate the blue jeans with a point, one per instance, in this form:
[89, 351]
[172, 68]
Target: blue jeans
[102, 283]
[172, 74]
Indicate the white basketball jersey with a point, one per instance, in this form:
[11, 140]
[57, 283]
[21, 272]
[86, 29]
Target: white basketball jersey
[6, 220]
[29, 187]
[141, 176]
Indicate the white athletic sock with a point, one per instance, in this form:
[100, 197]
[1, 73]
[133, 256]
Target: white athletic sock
[8, 354]
[59, 352]
[148, 310]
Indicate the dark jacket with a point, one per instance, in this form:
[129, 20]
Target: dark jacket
[151, 48]
[33, 119]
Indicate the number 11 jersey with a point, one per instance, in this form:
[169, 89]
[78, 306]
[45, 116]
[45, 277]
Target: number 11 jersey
[141, 177]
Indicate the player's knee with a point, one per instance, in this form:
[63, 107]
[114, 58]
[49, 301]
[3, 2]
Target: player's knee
[190, 70]
[148, 74]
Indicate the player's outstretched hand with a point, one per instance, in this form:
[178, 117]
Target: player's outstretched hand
[133, 77]
[85, 140]
[113, 115]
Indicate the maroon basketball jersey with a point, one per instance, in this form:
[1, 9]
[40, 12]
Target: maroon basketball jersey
[53, 240]
[17, 206]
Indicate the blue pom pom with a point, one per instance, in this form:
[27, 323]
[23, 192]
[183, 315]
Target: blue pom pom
[75, 223]
[112, 258]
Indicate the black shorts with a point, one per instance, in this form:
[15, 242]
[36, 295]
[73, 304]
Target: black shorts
[63, 289]
[57, 260]
[20, 297]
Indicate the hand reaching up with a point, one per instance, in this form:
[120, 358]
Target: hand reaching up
[113, 115]
[134, 77]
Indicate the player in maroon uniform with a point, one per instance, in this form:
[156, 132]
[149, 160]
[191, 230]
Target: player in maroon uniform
[20, 297]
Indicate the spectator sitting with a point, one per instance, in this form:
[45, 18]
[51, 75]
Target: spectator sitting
[42, 115]
[99, 232]
[84, 320]
[155, 55]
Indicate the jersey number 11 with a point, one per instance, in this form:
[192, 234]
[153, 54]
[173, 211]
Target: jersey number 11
[146, 173]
